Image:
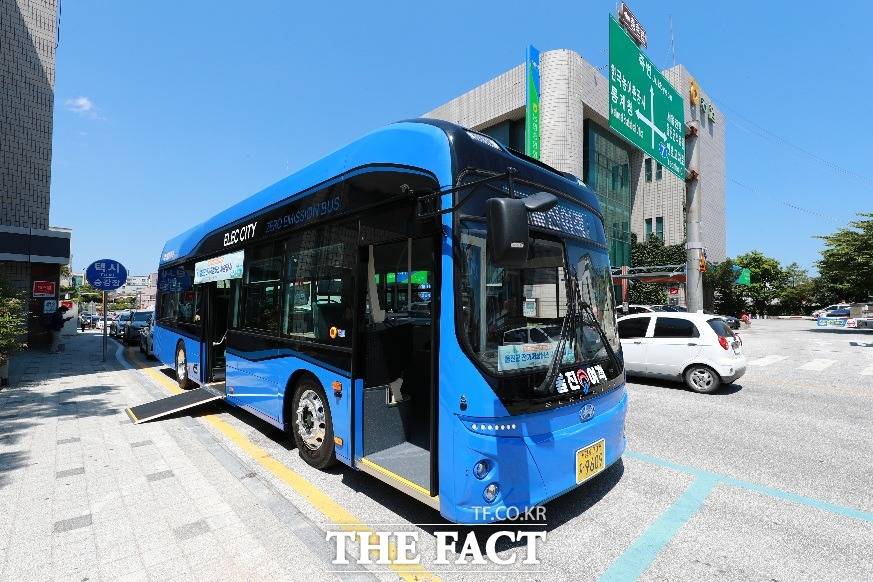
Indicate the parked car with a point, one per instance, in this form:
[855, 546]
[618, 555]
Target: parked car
[634, 309]
[117, 323]
[132, 325]
[695, 347]
[146, 339]
[820, 312]
[109, 319]
[839, 312]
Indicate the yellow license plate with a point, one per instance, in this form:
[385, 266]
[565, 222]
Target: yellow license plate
[590, 460]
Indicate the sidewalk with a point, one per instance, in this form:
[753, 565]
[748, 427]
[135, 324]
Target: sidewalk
[85, 494]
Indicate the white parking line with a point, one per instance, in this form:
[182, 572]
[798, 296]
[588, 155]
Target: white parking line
[868, 371]
[767, 360]
[818, 365]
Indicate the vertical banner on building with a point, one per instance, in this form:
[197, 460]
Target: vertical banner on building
[532, 109]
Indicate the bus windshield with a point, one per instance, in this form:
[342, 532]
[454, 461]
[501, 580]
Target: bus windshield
[512, 318]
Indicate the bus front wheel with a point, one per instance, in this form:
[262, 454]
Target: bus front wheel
[311, 424]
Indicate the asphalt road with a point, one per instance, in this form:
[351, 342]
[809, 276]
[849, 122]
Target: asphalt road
[769, 479]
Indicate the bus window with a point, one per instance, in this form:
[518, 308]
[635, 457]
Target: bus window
[263, 289]
[319, 285]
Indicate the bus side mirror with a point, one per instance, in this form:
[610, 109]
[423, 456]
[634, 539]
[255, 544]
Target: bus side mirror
[508, 231]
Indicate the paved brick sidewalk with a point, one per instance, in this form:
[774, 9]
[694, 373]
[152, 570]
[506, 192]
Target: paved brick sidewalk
[85, 494]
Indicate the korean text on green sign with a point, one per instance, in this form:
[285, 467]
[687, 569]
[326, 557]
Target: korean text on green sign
[643, 107]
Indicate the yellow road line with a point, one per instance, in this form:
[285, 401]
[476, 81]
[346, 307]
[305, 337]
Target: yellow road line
[333, 511]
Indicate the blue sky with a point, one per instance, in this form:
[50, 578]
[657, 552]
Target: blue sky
[166, 113]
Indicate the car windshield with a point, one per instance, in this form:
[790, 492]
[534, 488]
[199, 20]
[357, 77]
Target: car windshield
[512, 318]
[142, 315]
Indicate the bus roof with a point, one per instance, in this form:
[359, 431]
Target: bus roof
[421, 143]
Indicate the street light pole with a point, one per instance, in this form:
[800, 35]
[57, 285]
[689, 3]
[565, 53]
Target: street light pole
[694, 244]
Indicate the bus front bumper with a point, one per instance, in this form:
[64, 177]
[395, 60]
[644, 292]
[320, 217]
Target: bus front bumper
[530, 458]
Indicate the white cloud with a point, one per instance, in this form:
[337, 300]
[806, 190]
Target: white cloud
[84, 107]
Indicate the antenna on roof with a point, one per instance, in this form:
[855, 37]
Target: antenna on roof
[672, 41]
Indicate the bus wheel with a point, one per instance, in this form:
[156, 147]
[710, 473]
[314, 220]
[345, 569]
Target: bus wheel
[181, 367]
[311, 424]
[702, 379]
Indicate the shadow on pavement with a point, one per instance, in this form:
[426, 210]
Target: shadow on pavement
[725, 390]
[23, 407]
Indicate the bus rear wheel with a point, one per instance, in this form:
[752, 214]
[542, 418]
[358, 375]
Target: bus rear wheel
[311, 424]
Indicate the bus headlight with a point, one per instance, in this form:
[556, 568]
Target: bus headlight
[480, 469]
[490, 493]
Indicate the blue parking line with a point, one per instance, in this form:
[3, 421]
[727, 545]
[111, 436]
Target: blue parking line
[642, 552]
[850, 512]
[637, 558]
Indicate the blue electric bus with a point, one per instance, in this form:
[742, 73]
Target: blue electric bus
[424, 305]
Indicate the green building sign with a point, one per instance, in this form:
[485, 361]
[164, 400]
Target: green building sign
[644, 108]
[532, 108]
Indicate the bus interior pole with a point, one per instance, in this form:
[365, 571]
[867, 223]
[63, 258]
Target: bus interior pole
[694, 244]
[104, 326]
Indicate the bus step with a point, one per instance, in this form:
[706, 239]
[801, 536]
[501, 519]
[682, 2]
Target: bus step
[175, 403]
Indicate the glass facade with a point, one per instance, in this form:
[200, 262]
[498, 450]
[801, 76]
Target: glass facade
[510, 133]
[607, 171]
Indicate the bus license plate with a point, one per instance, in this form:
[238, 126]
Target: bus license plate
[590, 460]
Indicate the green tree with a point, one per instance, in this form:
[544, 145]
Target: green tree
[846, 265]
[721, 294]
[798, 294]
[13, 322]
[768, 281]
[651, 253]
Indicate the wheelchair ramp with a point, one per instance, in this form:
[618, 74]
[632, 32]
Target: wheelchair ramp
[177, 402]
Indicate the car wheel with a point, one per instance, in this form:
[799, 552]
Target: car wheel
[141, 348]
[181, 367]
[702, 379]
[311, 425]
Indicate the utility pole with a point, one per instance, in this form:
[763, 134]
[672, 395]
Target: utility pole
[694, 245]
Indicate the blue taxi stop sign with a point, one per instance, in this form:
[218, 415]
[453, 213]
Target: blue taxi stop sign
[106, 275]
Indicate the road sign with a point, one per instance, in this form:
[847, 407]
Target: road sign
[643, 107]
[106, 275]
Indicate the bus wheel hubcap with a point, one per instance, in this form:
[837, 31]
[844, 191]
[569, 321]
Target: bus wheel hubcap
[181, 369]
[701, 378]
[311, 422]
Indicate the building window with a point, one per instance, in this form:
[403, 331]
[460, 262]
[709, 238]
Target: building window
[648, 164]
[648, 228]
[659, 227]
[607, 172]
[659, 171]
[509, 133]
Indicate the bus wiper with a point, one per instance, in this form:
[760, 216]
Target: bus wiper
[568, 332]
[586, 309]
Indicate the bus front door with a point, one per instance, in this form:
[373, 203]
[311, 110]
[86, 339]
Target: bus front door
[395, 340]
[215, 337]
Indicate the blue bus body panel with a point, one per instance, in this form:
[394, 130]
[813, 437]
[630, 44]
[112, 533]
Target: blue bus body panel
[533, 463]
[260, 386]
[165, 341]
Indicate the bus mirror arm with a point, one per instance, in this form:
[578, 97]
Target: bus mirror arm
[430, 199]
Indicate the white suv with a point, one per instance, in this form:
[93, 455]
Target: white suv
[695, 347]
